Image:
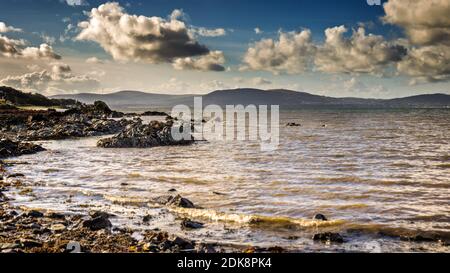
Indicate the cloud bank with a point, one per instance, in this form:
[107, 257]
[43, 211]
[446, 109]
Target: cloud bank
[427, 26]
[424, 55]
[57, 79]
[147, 39]
[291, 53]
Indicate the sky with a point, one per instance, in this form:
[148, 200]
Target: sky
[334, 48]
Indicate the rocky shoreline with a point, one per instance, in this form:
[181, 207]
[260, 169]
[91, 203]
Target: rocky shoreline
[24, 230]
[34, 231]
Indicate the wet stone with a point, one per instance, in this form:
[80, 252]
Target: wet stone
[179, 201]
[320, 217]
[58, 228]
[30, 243]
[328, 237]
[98, 223]
[34, 214]
[188, 224]
[147, 218]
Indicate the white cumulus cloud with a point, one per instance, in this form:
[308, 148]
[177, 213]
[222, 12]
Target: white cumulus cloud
[291, 53]
[359, 53]
[139, 38]
[5, 28]
[427, 26]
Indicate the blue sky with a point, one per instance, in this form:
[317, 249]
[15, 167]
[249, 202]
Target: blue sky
[47, 21]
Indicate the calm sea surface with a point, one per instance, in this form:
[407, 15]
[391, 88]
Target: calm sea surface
[375, 174]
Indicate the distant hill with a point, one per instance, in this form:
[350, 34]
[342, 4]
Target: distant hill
[19, 98]
[131, 98]
[286, 98]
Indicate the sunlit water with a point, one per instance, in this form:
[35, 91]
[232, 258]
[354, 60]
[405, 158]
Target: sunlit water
[376, 174]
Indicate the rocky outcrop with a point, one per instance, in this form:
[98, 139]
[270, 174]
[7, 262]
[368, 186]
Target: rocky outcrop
[154, 113]
[9, 148]
[97, 110]
[71, 126]
[140, 135]
[80, 121]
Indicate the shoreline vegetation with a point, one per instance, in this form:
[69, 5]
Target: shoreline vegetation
[42, 231]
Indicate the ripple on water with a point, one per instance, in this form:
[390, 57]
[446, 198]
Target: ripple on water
[374, 171]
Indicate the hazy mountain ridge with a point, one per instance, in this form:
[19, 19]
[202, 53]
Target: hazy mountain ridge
[280, 97]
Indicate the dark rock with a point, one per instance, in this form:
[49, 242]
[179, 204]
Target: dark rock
[320, 217]
[35, 226]
[172, 190]
[154, 113]
[34, 214]
[182, 243]
[188, 224]
[55, 215]
[276, 249]
[293, 124]
[9, 148]
[147, 218]
[15, 175]
[179, 201]
[3, 197]
[420, 238]
[328, 237]
[98, 223]
[30, 243]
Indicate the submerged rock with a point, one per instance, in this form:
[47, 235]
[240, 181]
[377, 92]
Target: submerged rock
[174, 201]
[320, 217]
[139, 135]
[179, 201]
[293, 124]
[188, 224]
[328, 237]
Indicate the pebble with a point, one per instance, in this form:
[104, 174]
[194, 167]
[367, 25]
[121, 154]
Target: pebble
[58, 228]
